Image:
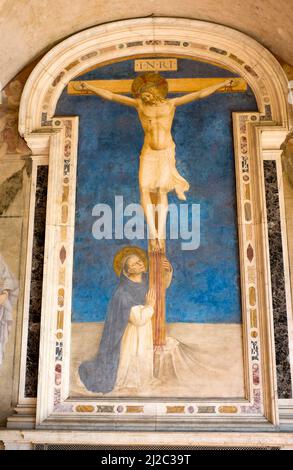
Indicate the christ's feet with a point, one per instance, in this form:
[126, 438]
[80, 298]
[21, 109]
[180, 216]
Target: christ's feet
[153, 243]
[161, 243]
[157, 245]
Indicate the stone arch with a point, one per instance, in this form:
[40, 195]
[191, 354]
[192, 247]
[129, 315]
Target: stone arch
[189, 38]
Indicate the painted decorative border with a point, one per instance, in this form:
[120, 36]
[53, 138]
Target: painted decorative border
[248, 260]
[66, 216]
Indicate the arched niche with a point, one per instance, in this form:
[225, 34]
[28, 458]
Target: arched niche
[50, 136]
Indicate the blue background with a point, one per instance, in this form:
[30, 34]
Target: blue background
[205, 286]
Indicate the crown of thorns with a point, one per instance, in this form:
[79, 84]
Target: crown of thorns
[144, 82]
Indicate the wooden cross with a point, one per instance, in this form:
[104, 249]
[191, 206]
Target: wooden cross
[175, 85]
[157, 278]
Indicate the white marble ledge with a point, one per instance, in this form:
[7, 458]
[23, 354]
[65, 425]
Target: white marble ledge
[25, 440]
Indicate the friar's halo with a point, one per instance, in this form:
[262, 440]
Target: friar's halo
[127, 251]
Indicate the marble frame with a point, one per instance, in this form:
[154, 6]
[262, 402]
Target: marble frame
[57, 137]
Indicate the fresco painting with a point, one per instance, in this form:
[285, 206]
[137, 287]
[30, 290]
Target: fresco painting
[151, 316]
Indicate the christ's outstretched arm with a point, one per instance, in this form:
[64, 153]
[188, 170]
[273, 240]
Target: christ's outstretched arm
[201, 93]
[107, 95]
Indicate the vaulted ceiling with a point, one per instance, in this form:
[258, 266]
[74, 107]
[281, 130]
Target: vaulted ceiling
[29, 28]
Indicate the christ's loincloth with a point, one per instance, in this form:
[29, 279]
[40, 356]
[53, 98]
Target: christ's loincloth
[157, 171]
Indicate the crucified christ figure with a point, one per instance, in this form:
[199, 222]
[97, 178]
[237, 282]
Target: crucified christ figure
[158, 174]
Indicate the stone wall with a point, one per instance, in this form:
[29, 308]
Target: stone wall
[14, 186]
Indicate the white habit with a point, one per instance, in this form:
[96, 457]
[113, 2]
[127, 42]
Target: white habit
[136, 354]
